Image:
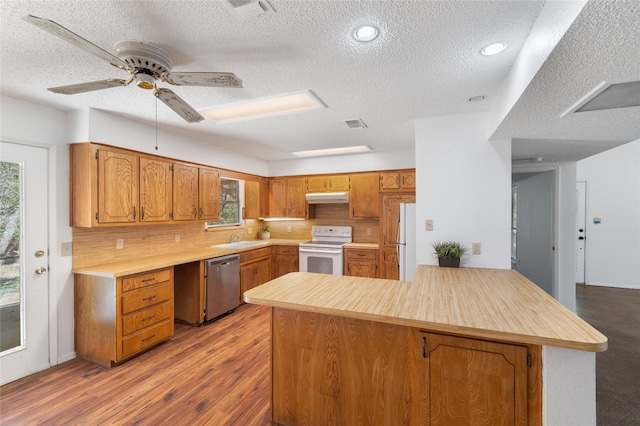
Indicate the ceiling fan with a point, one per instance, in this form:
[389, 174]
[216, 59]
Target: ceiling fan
[146, 63]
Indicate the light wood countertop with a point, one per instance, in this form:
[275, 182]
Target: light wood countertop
[145, 264]
[366, 246]
[491, 304]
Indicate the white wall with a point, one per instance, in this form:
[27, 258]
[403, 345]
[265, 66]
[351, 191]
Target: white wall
[464, 185]
[344, 163]
[612, 249]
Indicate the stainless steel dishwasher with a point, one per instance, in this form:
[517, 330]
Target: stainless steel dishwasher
[221, 286]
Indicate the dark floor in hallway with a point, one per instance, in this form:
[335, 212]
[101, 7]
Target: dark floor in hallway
[616, 313]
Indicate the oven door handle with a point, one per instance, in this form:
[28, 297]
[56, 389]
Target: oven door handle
[329, 251]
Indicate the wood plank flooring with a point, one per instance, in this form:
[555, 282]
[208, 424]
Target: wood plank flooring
[217, 374]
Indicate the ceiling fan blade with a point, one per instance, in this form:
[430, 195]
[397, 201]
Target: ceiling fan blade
[89, 87]
[217, 79]
[177, 104]
[73, 38]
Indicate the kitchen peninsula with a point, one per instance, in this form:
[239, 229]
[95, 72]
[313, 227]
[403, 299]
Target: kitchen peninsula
[455, 346]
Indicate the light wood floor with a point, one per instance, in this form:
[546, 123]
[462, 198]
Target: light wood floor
[217, 374]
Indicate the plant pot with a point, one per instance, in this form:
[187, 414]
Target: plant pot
[446, 262]
[265, 235]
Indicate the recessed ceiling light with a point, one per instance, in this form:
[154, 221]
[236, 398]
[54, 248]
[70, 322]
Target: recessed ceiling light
[332, 151]
[258, 108]
[365, 33]
[493, 49]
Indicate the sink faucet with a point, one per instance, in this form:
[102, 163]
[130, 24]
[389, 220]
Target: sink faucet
[235, 238]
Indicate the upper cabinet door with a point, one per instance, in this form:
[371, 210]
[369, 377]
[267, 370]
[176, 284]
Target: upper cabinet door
[185, 192]
[339, 183]
[156, 189]
[251, 200]
[209, 199]
[117, 187]
[296, 201]
[317, 184]
[364, 202]
[278, 197]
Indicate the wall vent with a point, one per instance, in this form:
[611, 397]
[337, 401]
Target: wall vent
[356, 124]
[609, 95]
[250, 9]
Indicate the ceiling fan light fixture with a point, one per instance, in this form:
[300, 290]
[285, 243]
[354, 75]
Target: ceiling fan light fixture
[145, 81]
[493, 49]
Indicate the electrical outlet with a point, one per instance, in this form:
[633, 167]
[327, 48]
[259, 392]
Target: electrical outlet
[428, 225]
[368, 231]
[119, 244]
[288, 229]
[177, 238]
[476, 248]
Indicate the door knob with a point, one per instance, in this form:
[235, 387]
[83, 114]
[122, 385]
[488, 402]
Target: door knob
[41, 270]
[581, 238]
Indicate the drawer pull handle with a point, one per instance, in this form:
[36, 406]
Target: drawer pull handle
[361, 254]
[149, 318]
[146, 299]
[149, 279]
[148, 338]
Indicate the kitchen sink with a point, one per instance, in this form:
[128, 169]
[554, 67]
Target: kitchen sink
[242, 244]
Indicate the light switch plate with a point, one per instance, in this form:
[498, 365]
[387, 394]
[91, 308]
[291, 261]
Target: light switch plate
[66, 249]
[428, 225]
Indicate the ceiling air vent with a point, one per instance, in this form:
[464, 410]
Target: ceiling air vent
[609, 95]
[250, 9]
[356, 124]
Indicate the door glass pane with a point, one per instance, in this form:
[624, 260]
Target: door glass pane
[10, 278]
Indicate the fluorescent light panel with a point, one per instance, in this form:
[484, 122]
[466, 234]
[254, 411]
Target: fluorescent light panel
[274, 105]
[332, 151]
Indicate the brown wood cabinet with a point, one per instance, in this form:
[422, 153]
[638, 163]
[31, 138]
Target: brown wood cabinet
[185, 192]
[285, 260]
[287, 197]
[328, 183]
[402, 375]
[255, 269]
[363, 196]
[156, 190]
[389, 214]
[117, 318]
[389, 266]
[400, 180]
[209, 194]
[113, 186]
[117, 192]
[251, 200]
[488, 379]
[361, 262]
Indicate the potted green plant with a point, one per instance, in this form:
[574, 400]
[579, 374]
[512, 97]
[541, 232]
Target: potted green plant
[265, 234]
[449, 253]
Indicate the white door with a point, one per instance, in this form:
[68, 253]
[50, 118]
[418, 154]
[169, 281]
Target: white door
[581, 189]
[24, 276]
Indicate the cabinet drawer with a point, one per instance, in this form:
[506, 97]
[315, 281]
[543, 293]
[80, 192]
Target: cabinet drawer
[248, 256]
[146, 338]
[139, 299]
[292, 250]
[144, 280]
[147, 317]
[360, 254]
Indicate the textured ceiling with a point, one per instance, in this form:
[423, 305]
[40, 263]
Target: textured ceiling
[425, 63]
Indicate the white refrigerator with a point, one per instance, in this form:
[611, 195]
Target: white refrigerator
[406, 241]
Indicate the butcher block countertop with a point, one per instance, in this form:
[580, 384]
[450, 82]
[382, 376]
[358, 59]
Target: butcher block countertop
[145, 264]
[492, 304]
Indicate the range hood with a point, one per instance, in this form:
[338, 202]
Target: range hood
[327, 197]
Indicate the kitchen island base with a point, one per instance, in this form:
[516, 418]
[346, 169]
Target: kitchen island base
[335, 370]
